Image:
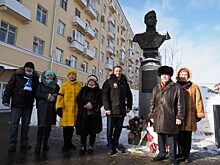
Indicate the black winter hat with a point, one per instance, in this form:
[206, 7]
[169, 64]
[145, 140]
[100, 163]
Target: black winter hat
[165, 70]
[29, 64]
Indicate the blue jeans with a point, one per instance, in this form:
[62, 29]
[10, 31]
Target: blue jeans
[25, 115]
[172, 140]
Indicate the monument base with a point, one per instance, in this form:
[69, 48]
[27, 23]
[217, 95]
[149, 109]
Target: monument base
[148, 79]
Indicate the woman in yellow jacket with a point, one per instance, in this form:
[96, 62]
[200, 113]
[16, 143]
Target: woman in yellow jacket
[67, 107]
[194, 112]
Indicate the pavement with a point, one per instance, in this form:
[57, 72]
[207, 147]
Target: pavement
[55, 157]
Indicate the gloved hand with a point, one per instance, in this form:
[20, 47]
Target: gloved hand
[51, 97]
[60, 112]
[198, 119]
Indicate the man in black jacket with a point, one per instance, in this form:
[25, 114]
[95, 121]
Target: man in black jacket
[117, 101]
[21, 90]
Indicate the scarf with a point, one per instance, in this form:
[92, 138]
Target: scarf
[28, 85]
[185, 84]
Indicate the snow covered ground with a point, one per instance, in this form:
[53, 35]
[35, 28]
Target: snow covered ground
[203, 139]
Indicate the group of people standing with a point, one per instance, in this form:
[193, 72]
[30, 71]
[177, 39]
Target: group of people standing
[174, 109]
[78, 107]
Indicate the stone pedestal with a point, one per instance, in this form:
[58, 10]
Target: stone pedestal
[148, 78]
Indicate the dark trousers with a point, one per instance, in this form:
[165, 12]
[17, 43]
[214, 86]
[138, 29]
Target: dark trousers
[83, 139]
[114, 131]
[25, 115]
[172, 138]
[108, 133]
[67, 135]
[43, 134]
[184, 142]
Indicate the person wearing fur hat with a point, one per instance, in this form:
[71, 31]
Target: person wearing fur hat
[117, 101]
[46, 95]
[194, 113]
[89, 119]
[167, 111]
[20, 92]
[67, 107]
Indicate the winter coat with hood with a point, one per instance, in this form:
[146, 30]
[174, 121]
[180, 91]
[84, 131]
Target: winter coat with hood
[167, 105]
[86, 95]
[15, 91]
[66, 100]
[46, 112]
[193, 103]
[116, 95]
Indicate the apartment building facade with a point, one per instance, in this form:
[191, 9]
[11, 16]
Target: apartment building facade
[91, 36]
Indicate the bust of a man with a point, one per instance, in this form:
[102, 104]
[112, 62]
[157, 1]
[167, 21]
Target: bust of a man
[150, 40]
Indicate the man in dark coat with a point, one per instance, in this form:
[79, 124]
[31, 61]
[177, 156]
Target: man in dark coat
[21, 90]
[117, 101]
[167, 110]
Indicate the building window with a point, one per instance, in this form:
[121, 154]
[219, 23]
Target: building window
[102, 57]
[94, 70]
[96, 33]
[73, 61]
[101, 74]
[111, 27]
[85, 66]
[104, 9]
[97, 18]
[103, 40]
[77, 12]
[7, 33]
[78, 36]
[38, 46]
[86, 45]
[63, 4]
[61, 28]
[103, 25]
[41, 14]
[110, 61]
[95, 51]
[59, 54]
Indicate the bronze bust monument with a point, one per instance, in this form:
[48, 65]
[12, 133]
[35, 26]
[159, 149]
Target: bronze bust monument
[150, 40]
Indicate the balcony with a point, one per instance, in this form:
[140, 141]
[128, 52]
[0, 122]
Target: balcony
[91, 11]
[123, 38]
[111, 19]
[77, 46]
[82, 3]
[109, 66]
[17, 9]
[112, 7]
[123, 26]
[79, 22]
[90, 32]
[110, 50]
[111, 35]
[89, 53]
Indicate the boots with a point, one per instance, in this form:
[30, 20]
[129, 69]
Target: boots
[90, 150]
[40, 133]
[82, 151]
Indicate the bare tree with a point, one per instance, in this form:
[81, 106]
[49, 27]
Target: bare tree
[172, 54]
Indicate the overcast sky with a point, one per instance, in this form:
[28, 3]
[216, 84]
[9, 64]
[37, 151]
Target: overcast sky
[194, 26]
